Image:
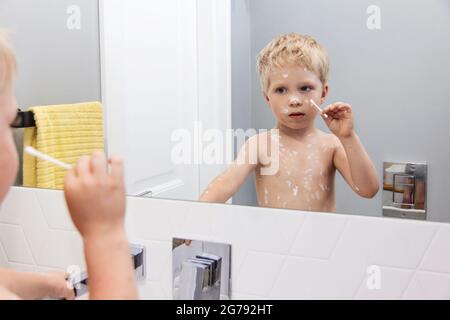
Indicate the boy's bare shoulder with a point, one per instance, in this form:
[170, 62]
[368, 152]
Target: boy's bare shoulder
[260, 138]
[328, 139]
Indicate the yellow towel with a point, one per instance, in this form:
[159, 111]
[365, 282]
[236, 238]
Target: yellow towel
[65, 132]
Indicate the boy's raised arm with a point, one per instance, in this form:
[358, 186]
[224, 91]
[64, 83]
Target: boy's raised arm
[355, 166]
[96, 201]
[350, 157]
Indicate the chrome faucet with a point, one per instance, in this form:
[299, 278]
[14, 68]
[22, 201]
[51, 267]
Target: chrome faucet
[137, 252]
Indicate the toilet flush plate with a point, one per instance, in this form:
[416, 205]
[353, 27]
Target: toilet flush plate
[405, 190]
[201, 270]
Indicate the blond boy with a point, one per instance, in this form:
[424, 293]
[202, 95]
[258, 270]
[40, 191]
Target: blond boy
[96, 201]
[293, 69]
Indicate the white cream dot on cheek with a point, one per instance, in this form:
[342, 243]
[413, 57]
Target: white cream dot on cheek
[285, 76]
[285, 110]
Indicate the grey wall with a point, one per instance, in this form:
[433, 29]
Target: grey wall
[397, 80]
[56, 65]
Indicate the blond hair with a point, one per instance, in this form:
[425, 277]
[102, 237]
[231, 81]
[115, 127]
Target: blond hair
[7, 61]
[292, 49]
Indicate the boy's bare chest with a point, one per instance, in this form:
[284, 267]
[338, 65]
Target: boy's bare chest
[305, 166]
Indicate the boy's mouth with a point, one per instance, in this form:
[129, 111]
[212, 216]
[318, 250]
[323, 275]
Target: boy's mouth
[297, 115]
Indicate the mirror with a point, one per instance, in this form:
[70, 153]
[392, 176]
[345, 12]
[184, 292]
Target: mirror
[181, 93]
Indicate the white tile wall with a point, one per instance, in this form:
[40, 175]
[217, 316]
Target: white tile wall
[276, 254]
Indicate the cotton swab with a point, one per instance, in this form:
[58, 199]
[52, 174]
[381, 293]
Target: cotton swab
[35, 153]
[318, 108]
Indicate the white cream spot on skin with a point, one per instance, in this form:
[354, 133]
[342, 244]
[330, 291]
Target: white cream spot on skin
[289, 183]
[285, 110]
[295, 191]
[295, 99]
[285, 76]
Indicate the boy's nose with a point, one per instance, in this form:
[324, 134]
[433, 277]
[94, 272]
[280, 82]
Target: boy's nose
[295, 102]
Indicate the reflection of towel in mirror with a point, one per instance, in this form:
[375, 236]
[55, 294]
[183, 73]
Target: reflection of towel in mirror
[65, 132]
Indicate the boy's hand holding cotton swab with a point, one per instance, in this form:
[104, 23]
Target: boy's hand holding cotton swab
[340, 119]
[96, 200]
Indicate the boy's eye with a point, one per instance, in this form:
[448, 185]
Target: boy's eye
[280, 90]
[306, 88]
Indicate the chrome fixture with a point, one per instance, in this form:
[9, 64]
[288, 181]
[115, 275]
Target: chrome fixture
[80, 281]
[405, 190]
[201, 270]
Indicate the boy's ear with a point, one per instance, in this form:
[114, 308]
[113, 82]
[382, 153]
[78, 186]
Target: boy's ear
[324, 93]
[266, 97]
